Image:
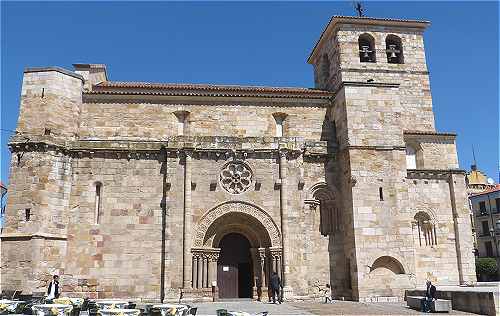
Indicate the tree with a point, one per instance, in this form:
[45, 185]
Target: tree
[486, 267]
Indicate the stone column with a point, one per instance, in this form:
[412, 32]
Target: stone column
[209, 271]
[462, 224]
[187, 223]
[195, 269]
[278, 268]
[257, 277]
[199, 283]
[214, 256]
[284, 216]
[205, 270]
[262, 257]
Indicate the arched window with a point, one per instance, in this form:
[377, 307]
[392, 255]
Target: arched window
[98, 202]
[328, 211]
[279, 119]
[181, 122]
[394, 49]
[411, 157]
[366, 44]
[426, 229]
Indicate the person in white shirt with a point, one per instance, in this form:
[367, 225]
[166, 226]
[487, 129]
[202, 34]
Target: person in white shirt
[53, 289]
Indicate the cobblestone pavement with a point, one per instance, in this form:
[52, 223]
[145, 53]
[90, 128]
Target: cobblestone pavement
[357, 308]
[312, 308]
[252, 307]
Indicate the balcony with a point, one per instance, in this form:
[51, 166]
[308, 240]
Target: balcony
[489, 234]
[486, 213]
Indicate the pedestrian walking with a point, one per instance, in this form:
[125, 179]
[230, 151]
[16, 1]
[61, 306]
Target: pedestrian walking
[275, 287]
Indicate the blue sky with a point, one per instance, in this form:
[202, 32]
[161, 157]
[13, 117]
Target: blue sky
[252, 43]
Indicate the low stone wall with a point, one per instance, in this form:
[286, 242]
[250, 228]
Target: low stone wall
[467, 301]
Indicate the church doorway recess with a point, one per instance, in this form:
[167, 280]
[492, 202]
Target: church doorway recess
[234, 268]
[244, 245]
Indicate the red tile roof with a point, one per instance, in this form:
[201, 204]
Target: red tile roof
[115, 87]
[411, 132]
[496, 188]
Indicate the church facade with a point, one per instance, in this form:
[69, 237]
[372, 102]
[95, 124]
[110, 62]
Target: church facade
[145, 190]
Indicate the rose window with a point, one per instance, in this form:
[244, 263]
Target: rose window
[236, 177]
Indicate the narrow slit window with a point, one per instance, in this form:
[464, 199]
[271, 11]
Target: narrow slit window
[411, 157]
[381, 194]
[98, 196]
[27, 214]
[182, 122]
[279, 119]
[279, 129]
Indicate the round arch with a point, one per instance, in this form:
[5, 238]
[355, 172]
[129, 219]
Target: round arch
[389, 263]
[388, 257]
[260, 227]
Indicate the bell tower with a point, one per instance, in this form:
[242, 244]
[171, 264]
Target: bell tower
[381, 105]
[376, 50]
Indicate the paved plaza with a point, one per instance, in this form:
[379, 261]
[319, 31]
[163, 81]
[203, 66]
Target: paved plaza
[312, 308]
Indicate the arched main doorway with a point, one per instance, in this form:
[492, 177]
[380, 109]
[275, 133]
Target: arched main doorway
[236, 246]
[234, 267]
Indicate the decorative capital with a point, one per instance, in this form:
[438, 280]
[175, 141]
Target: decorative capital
[275, 253]
[313, 203]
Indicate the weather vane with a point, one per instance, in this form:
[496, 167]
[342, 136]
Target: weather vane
[359, 8]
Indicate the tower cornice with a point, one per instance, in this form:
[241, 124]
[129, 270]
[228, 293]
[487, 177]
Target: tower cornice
[338, 20]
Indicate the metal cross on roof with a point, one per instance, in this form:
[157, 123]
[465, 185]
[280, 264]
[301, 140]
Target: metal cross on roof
[360, 9]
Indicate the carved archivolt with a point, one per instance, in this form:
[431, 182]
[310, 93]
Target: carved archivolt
[236, 207]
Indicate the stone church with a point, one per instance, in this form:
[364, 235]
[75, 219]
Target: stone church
[157, 190]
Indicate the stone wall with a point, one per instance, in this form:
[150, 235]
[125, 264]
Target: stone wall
[53, 94]
[149, 120]
[433, 197]
[119, 255]
[37, 217]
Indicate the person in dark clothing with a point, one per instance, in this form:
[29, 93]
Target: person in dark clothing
[430, 295]
[53, 289]
[275, 283]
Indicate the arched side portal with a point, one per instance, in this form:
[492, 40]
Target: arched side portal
[233, 208]
[250, 222]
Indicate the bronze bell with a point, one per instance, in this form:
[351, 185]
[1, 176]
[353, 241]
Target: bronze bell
[392, 48]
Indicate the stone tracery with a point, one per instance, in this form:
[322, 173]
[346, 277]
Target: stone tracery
[236, 177]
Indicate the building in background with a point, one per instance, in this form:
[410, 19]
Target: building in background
[477, 181]
[486, 210]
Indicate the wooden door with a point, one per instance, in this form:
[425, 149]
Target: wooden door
[227, 276]
[234, 270]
